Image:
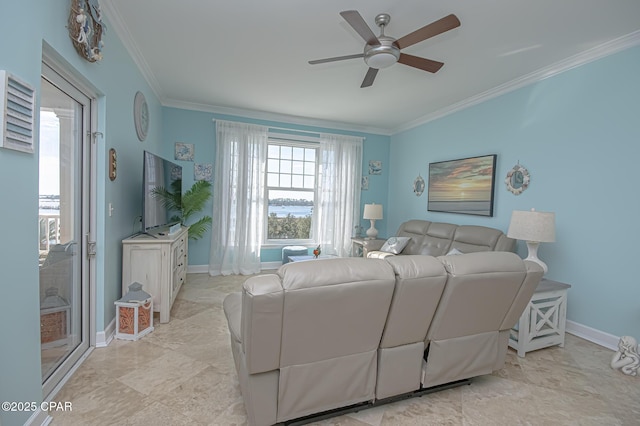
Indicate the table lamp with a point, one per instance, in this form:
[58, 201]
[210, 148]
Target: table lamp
[372, 212]
[533, 227]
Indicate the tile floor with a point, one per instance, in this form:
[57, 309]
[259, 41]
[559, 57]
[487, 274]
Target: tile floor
[183, 374]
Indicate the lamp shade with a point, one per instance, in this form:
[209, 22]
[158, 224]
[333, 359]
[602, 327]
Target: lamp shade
[372, 211]
[533, 226]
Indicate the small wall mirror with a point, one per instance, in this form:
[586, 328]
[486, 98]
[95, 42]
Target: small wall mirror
[517, 179]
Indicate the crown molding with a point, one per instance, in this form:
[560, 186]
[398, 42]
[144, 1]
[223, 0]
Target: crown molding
[593, 54]
[123, 33]
[272, 116]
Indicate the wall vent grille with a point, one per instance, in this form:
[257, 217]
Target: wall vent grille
[17, 106]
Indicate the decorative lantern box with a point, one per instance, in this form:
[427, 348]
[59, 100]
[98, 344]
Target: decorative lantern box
[134, 313]
[55, 317]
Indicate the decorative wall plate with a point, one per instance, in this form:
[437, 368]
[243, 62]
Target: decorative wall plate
[86, 28]
[517, 179]
[418, 186]
[141, 116]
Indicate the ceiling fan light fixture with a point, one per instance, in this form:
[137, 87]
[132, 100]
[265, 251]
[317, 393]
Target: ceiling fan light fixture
[384, 51]
[381, 60]
[383, 55]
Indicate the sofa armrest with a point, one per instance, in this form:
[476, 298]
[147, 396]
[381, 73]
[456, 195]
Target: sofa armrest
[261, 322]
[378, 254]
[528, 287]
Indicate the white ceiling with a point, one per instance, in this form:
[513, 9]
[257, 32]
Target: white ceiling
[251, 57]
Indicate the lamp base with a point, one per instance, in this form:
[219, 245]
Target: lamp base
[372, 232]
[532, 246]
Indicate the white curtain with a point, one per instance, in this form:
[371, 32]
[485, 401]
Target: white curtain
[338, 192]
[238, 198]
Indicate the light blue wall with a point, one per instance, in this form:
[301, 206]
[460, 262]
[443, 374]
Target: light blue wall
[197, 127]
[578, 134]
[24, 26]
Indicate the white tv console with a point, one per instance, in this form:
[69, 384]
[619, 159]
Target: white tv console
[159, 263]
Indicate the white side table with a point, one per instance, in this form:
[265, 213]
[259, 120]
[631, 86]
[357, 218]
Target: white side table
[360, 245]
[542, 324]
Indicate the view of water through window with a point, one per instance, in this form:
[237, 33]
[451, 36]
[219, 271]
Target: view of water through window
[291, 178]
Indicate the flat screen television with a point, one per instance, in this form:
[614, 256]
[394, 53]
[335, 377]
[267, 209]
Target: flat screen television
[158, 172]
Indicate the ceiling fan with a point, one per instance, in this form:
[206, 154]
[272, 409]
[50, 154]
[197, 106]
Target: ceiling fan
[384, 51]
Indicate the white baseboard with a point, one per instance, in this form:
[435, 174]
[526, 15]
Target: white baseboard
[103, 338]
[598, 337]
[270, 265]
[198, 269]
[204, 269]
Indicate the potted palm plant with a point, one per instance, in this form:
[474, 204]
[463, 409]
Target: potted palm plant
[187, 205]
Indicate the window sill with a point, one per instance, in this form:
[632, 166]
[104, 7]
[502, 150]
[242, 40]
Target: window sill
[272, 245]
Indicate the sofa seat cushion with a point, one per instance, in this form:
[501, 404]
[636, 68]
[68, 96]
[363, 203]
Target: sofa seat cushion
[232, 306]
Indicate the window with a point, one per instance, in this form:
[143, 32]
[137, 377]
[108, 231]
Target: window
[290, 191]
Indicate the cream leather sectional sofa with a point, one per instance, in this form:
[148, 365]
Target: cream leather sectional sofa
[330, 333]
[438, 239]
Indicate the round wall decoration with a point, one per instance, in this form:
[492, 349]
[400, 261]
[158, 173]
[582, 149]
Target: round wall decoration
[86, 29]
[517, 179]
[418, 186]
[141, 116]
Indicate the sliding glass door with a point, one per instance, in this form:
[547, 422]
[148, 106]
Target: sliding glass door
[64, 219]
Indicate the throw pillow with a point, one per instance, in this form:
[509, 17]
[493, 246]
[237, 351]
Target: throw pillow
[395, 245]
[454, 251]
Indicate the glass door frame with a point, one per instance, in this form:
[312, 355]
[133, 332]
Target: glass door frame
[56, 72]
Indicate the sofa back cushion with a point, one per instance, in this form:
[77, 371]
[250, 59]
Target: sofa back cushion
[471, 239]
[419, 284]
[427, 238]
[467, 336]
[333, 316]
[333, 307]
[437, 238]
[479, 292]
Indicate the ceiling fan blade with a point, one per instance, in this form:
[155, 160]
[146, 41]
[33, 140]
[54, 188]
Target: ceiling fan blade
[433, 29]
[356, 21]
[420, 63]
[368, 79]
[337, 58]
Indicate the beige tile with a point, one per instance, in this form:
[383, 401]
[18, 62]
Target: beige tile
[163, 374]
[184, 308]
[205, 397]
[183, 373]
[156, 413]
[176, 333]
[121, 356]
[372, 416]
[341, 421]
[100, 403]
[438, 408]
[504, 402]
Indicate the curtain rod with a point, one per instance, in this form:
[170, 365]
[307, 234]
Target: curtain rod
[292, 130]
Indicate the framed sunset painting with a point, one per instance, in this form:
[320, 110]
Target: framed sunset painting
[462, 186]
